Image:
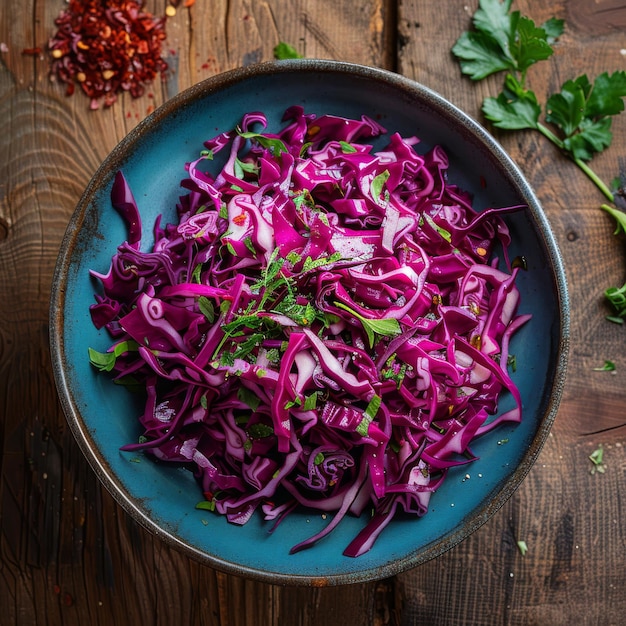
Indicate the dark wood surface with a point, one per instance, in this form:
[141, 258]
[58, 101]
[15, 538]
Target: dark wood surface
[70, 555]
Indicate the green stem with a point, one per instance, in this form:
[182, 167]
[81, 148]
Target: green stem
[546, 132]
[594, 177]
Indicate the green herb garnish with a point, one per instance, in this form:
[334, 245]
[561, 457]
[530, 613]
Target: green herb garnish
[608, 366]
[105, 361]
[597, 459]
[275, 145]
[377, 186]
[368, 415]
[386, 327]
[284, 50]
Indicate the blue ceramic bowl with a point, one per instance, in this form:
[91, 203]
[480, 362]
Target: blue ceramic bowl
[103, 417]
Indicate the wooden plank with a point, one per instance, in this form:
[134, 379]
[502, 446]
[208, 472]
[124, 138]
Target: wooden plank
[68, 553]
[565, 514]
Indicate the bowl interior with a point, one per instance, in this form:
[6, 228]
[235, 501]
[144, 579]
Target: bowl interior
[104, 416]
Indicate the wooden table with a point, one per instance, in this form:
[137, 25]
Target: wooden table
[70, 555]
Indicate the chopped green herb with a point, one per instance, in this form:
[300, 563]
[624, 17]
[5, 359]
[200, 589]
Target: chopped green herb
[196, 274]
[303, 198]
[275, 145]
[207, 308]
[259, 431]
[130, 383]
[597, 460]
[291, 403]
[284, 50]
[372, 407]
[368, 415]
[250, 245]
[393, 371]
[378, 183]
[105, 361]
[311, 264]
[206, 505]
[273, 355]
[243, 166]
[608, 366]
[310, 402]
[523, 548]
[247, 396]
[386, 327]
[445, 234]
[227, 359]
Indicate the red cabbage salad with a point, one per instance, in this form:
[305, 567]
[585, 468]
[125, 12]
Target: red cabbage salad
[326, 327]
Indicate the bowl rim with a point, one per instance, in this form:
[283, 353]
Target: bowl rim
[57, 305]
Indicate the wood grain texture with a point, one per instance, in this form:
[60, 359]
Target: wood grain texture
[70, 555]
[568, 517]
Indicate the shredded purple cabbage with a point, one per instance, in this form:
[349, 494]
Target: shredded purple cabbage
[324, 327]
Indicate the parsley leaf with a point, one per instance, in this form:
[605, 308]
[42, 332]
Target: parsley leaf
[493, 18]
[582, 112]
[310, 402]
[512, 114]
[566, 109]
[480, 55]
[607, 95]
[553, 28]
[386, 327]
[503, 41]
[530, 45]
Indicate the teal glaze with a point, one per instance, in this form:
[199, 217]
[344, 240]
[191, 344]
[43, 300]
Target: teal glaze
[103, 416]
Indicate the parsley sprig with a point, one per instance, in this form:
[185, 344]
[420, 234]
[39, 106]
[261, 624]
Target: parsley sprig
[577, 119]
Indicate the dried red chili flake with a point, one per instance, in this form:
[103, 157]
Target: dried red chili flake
[107, 47]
